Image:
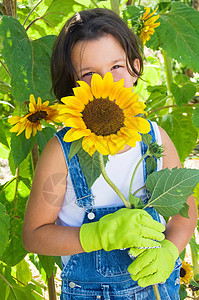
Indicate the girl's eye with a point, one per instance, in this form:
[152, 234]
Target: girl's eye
[88, 74]
[116, 67]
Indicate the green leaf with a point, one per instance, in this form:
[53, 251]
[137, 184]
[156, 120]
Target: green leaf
[20, 147]
[134, 200]
[90, 166]
[178, 125]
[183, 94]
[3, 138]
[75, 147]
[194, 283]
[184, 212]
[180, 26]
[58, 10]
[44, 136]
[14, 197]
[48, 264]
[170, 189]
[17, 293]
[41, 78]
[182, 292]
[5, 88]
[4, 228]
[146, 138]
[150, 165]
[28, 62]
[23, 272]
[195, 117]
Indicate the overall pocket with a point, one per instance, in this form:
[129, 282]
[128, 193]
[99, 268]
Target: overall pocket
[112, 263]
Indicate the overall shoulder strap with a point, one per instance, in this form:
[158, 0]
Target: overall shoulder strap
[84, 197]
[144, 149]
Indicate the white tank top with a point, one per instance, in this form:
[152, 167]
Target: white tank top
[119, 168]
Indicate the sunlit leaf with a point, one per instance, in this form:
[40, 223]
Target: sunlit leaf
[184, 93]
[178, 125]
[4, 228]
[28, 62]
[170, 189]
[180, 26]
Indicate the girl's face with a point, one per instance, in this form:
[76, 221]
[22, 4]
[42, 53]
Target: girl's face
[101, 56]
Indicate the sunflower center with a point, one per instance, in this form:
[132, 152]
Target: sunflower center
[182, 272]
[37, 116]
[103, 117]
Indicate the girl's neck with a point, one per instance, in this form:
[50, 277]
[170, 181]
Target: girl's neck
[126, 148]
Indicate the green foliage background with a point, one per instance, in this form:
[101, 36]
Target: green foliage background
[169, 87]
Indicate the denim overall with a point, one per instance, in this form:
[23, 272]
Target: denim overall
[101, 274]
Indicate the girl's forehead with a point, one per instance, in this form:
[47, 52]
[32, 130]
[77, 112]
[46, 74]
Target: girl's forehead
[100, 51]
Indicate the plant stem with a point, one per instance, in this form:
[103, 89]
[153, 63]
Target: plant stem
[133, 175]
[115, 6]
[35, 155]
[51, 287]
[125, 201]
[15, 9]
[3, 65]
[156, 292]
[168, 71]
[31, 12]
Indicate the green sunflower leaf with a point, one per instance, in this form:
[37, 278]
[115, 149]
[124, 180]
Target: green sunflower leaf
[90, 166]
[28, 61]
[183, 94]
[195, 117]
[178, 125]
[170, 189]
[4, 228]
[180, 26]
[75, 147]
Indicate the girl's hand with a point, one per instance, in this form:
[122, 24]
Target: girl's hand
[123, 229]
[154, 265]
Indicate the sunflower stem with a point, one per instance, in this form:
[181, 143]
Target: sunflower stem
[134, 172]
[156, 292]
[119, 193]
[169, 78]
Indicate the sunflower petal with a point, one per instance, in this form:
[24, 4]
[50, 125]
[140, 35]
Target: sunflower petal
[137, 123]
[32, 100]
[28, 131]
[102, 145]
[96, 85]
[107, 84]
[82, 96]
[115, 89]
[75, 123]
[87, 88]
[74, 134]
[14, 120]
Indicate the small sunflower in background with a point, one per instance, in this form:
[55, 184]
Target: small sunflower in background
[105, 115]
[31, 122]
[186, 272]
[147, 25]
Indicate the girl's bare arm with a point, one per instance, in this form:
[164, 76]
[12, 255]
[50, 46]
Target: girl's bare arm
[40, 234]
[179, 230]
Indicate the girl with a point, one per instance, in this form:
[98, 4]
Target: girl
[91, 229]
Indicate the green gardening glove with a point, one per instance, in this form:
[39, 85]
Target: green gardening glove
[123, 229]
[154, 265]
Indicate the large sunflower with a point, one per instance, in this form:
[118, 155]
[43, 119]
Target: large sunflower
[105, 115]
[31, 122]
[148, 25]
[186, 272]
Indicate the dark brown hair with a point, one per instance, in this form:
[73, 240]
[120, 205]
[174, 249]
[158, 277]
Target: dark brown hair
[89, 25]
